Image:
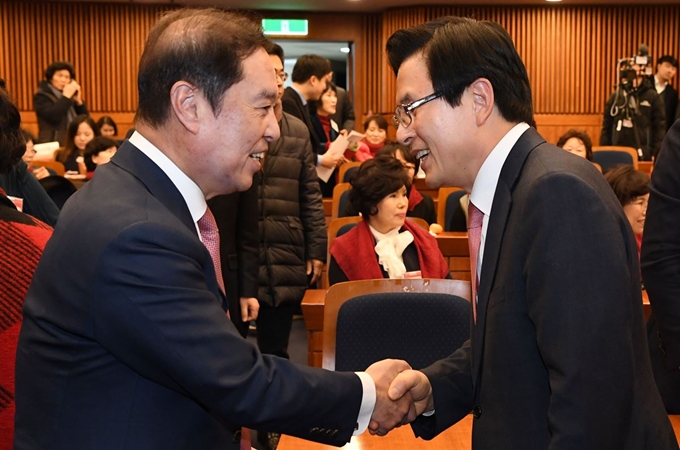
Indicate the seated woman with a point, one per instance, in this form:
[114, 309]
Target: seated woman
[38, 171]
[375, 129]
[632, 189]
[80, 131]
[99, 151]
[578, 143]
[419, 205]
[107, 127]
[384, 244]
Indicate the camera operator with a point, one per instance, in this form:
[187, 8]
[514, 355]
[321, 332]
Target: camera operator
[635, 113]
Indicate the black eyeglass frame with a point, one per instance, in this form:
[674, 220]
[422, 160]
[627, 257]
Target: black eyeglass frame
[402, 111]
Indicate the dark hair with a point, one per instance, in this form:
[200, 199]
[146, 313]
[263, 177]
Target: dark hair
[106, 120]
[96, 145]
[316, 104]
[459, 51]
[70, 146]
[273, 48]
[28, 136]
[205, 47]
[12, 144]
[581, 136]
[3, 85]
[57, 66]
[374, 180]
[307, 66]
[378, 119]
[627, 183]
[392, 149]
[669, 59]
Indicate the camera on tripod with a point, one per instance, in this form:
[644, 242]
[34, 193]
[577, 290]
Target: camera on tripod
[631, 68]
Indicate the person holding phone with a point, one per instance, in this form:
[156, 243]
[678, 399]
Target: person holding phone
[57, 102]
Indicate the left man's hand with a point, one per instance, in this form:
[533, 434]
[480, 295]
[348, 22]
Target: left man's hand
[389, 413]
[314, 268]
[249, 308]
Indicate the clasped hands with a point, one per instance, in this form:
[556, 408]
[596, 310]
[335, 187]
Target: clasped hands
[402, 395]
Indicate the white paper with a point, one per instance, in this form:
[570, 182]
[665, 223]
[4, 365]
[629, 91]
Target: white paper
[337, 147]
[45, 151]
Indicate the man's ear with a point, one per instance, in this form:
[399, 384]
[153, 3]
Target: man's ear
[185, 101]
[483, 98]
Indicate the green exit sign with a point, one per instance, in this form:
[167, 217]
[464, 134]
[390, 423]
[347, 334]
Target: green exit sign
[285, 27]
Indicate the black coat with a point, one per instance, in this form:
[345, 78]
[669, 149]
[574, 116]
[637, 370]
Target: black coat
[52, 113]
[292, 220]
[649, 124]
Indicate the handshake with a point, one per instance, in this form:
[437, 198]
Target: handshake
[402, 395]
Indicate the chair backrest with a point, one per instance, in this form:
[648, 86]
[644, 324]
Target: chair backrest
[609, 156]
[56, 166]
[58, 188]
[347, 170]
[340, 199]
[419, 320]
[450, 214]
[334, 230]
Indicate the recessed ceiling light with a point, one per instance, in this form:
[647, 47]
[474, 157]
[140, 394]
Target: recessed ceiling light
[344, 49]
[553, 1]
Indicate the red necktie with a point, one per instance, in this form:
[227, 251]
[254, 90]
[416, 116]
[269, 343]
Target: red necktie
[475, 219]
[210, 235]
[211, 239]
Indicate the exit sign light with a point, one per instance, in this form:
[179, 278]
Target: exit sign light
[285, 27]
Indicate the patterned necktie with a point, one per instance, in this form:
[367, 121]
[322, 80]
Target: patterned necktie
[211, 239]
[475, 218]
[210, 235]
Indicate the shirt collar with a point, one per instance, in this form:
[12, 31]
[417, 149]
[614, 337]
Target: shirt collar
[304, 101]
[660, 86]
[192, 194]
[486, 181]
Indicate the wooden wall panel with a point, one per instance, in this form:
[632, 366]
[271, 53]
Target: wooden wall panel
[570, 52]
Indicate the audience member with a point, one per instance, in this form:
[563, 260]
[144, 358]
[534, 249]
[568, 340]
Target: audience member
[128, 345]
[635, 117]
[375, 129]
[22, 239]
[39, 171]
[666, 68]
[98, 151]
[660, 268]
[384, 244]
[344, 112]
[557, 356]
[107, 127]
[577, 142]
[632, 190]
[81, 131]
[57, 102]
[320, 112]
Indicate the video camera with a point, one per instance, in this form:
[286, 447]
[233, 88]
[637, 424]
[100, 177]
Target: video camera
[630, 68]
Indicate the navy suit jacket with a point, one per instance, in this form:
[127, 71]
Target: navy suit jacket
[292, 104]
[558, 357]
[125, 343]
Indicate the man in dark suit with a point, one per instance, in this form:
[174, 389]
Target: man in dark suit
[125, 343]
[557, 357]
[660, 266]
[666, 68]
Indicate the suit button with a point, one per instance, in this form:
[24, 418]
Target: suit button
[334, 433]
[237, 436]
[477, 412]
[314, 430]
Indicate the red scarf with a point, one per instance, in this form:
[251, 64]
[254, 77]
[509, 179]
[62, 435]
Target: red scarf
[373, 147]
[414, 197]
[325, 122]
[355, 254]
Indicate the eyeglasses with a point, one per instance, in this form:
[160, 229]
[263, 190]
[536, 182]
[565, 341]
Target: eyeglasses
[402, 114]
[283, 75]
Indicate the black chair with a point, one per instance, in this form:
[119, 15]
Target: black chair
[419, 327]
[455, 216]
[58, 188]
[609, 157]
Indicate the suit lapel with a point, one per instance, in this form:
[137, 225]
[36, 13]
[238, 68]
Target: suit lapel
[500, 210]
[132, 160]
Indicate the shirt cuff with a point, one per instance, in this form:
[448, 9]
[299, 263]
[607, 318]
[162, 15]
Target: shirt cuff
[367, 403]
[318, 163]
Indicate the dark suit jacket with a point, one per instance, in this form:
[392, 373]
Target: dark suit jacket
[236, 217]
[558, 357]
[292, 104]
[670, 99]
[660, 268]
[125, 343]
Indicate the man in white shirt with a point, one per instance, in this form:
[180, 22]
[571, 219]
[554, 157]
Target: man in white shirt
[557, 357]
[666, 68]
[125, 343]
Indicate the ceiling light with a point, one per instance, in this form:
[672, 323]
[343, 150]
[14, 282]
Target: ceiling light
[344, 49]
